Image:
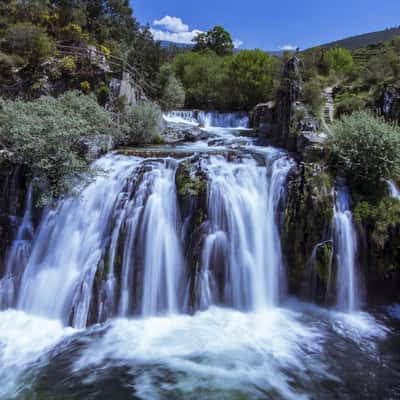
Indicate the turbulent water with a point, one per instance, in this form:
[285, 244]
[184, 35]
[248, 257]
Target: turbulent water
[95, 301]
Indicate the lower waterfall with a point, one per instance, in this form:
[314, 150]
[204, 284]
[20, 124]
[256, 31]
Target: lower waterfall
[345, 240]
[242, 258]
[121, 292]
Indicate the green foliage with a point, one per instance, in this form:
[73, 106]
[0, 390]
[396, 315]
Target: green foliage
[7, 66]
[68, 64]
[250, 78]
[45, 134]
[379, 218]
[225, 83]
[202, 75]
[216, 39]
[368, 150]
[349, 104]
[312, 95]
[173, 96]
[85, 86]
[142, 124]
[102, 94]
[29, 42]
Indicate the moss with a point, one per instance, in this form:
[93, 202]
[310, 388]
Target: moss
[309, 214]
[323, 262]
[379, 219]
[188, 183]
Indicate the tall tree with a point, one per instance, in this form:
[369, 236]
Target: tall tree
[216, 39]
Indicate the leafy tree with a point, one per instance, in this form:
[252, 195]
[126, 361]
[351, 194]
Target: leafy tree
[216, 39]
[367, 149]
[171, 92]
[203, 76]
[29, 42]
[250, 76]
[342, 60]
[312, 95]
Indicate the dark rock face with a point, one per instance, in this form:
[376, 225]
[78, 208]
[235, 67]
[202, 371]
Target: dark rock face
[286, 122]
[389, 104]
[308, 221]
[13, 191]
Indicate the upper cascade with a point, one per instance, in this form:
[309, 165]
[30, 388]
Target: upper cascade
[235, 120]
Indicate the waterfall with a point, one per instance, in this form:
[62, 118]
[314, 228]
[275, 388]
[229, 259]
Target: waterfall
[18, 255]
[223, 120]
[117, 250]
[208, 119]
[242, 263]
[58, 279]
[393, 190]
[345, 241]
[181, 117]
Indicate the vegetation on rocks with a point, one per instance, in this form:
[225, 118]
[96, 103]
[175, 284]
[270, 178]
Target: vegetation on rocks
[367, 149]
[45, 135]
[141, 124]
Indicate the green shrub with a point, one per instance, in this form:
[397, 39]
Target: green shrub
[313, 96]
[349, 104]
[367, 149]
[45, 134]
[7, 65]
[142, 124]
[68, 64]
[85, 86]
[379, 218]
[30, 42]
[173, 96]
[102, 94]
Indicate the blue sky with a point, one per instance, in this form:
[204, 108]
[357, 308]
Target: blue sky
[268, 24]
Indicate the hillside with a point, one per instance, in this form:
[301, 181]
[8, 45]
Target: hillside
[355, 42]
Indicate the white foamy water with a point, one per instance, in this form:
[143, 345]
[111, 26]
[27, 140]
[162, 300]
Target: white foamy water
[24, 343]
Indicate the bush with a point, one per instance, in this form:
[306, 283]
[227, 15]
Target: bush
[142, 124]
[173, 96]
[367, 149]
[7, 65]
[29, 42]
[313, 96]
[45, 134]
[349, 104]
[379, 218]
[68, 64]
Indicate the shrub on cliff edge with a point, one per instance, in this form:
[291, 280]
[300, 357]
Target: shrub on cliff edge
[45, 135]
[367, 149]
[142, 124]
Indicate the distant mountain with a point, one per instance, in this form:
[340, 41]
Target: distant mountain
[165, 44]
[355, 42]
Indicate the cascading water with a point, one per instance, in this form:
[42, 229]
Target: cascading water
[18, 255]
[393, 190]
[208, 119]
[345, 242]
[242, 262]
[223, 120]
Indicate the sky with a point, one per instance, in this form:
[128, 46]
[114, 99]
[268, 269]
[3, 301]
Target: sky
[268, 24]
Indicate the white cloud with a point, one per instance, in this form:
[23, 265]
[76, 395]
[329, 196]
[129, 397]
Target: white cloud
[172, 24]
[172, 29]
[288, 47]
[237, 43]
[181, 37]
